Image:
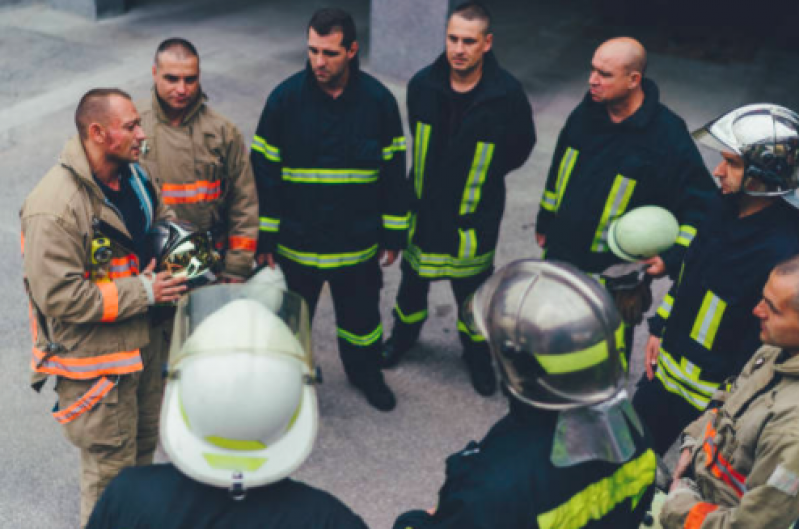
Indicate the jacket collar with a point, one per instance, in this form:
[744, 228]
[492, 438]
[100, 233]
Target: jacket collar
[489, 86]
[788, 367]
[158, 107]
[640, 118]
[73, 157]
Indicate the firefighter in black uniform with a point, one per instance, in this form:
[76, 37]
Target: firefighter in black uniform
[704, 331]
[472, 125]
[329, 162]
[571, 453]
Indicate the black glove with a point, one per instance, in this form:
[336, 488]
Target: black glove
[631, 289]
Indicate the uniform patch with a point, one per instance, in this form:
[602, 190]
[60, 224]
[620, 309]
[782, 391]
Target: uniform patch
[784, 480]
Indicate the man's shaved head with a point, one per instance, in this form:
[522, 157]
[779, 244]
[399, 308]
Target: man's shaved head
[179, 48]
[94, 107]
[628, 51]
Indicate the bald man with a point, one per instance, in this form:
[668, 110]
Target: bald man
[620, 149]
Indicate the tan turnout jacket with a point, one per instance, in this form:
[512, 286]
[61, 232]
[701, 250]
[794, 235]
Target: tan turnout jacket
[202, 168]
[746, 460]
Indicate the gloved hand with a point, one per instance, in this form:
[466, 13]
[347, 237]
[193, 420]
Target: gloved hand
[631, 289]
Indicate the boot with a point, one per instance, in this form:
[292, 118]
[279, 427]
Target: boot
[376, 391]
[395, 348]
[481, 371]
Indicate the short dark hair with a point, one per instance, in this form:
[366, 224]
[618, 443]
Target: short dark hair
[182, 47]
[790, 267]
[93, 108]
[474, 11]
[330, 19]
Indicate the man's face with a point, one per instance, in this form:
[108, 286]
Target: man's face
[330, 60]
[610, 81]
[730, 172]
[123, 134]
[779, 319]
[467, 43]
[177, 80]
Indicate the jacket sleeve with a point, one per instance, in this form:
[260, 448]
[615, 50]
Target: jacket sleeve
[394, 189]
[548, 208]
[242, 209]
[521, 130]
[266, 159]
[657, 323]
[54, 263]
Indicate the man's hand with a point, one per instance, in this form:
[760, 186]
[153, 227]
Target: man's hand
[266, 259]
[656, 268]
[387, 257]
[651, 352]
[541, 240]
[166, 289]
[682, 466]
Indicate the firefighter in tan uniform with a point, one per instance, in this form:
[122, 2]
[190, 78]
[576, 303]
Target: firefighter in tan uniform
[84, 244]
[740, 460]
[199, 160]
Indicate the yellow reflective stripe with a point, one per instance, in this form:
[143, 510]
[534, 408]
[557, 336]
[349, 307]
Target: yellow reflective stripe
[394, 222]
[240, 463]
[477, 175]
[473, 336]
[438, 265]
[330, 176]
[686, 235]
[421, 140]
[683, 379]
[235, 444]
[397, 145]
[468, 244]
[549, 201]
[564, 173]
[631, 481]
[327, 260]
[621, 345]
[707, 321]
[617, 201]
[664, 310]
[271, 152]
[416, 317]
[361, 340]
[269, 224]
[558, 364]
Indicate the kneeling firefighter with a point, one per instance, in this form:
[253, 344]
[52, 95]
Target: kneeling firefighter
[571, 452]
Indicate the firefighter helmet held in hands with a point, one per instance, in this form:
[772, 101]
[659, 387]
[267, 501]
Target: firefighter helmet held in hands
[184, 251]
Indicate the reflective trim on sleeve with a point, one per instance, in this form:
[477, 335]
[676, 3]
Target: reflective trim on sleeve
[364, 340]
[199, 191]
[664, 310]
[330, 176]
[327, 260]
[615, 205]
[686, 235]
[718, 464]
[708, 320]
[397, 145]
[394, 222]
[421, 140]
[121, 363]
[271, 152]
[108, 290]
[468, 244]
[477, 176]
[89, 400]
[416, 317]
[551, 200]
[683, 380]
[698, 513]
[473, 336]
[630, 482]
[241, 243]
[269, 224]
[125, 266]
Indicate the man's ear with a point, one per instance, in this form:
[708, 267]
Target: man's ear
[635, 80]
[353, 50]
[96, 133]
[488, 43]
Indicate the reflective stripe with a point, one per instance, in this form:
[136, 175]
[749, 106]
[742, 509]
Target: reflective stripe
[416, 317]
[421, 140]
[124, 266]
[468, 244]
[234, 444]
[110, 294]
[686, 235]
[477, 176]
[271, 152]
[269, 224]
[719, 465]
[327, 260]
[698, 513]
[199, 191]
[683, 379]
[121, 363]
[707, 321]
[88, 401]
[330, 176]
[241, 243]
[235, 463]
[558, 364]
[630, 482]
[397, 145]
[473, 336]
[393, 222]
[438, 265]
[361, 340]
[615, 205]
[664, 310]
[551, 200]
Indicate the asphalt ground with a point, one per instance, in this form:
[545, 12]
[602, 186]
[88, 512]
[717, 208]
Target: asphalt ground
[379, 464]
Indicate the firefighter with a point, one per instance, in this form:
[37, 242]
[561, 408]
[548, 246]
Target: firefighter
[329, 161]
[704, 331]
[739, 464]
[472, 125]
[240, 416]
[84, 241]
[571, 453]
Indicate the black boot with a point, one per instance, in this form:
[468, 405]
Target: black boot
[395, 348]
[376, 391]
[481, 371]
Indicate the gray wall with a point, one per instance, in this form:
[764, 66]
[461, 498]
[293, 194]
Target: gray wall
[92, 9]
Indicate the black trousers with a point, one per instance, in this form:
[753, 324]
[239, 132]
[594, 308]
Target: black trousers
[410, 310]
[356, 300]
[663, 413]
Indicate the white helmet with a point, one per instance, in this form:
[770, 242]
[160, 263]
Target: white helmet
[642, 233]
[240, 408]
[270, 276]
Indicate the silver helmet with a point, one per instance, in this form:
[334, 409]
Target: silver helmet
[184, 251]
[766, 137]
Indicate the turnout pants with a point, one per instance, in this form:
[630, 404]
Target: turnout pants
[356, 299]
[120, 431]
[662, 412]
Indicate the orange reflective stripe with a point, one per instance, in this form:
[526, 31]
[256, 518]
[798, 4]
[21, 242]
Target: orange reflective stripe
[121, 363]
[719, 466]
[124, 266]
[698, 513]
[88, 401]
[200, 191]
[241, 243]
[110, 300]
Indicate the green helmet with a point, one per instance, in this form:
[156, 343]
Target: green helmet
[643, 233]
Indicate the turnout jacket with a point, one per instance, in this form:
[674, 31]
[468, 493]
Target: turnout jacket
[330, 172]
[203, 170]
[602, 169]
[507, 481]
[160, 496]
[706, 323]
[88, 320]
[459, 177]
[746, 458]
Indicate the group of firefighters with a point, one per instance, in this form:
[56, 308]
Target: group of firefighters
[146, 192]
